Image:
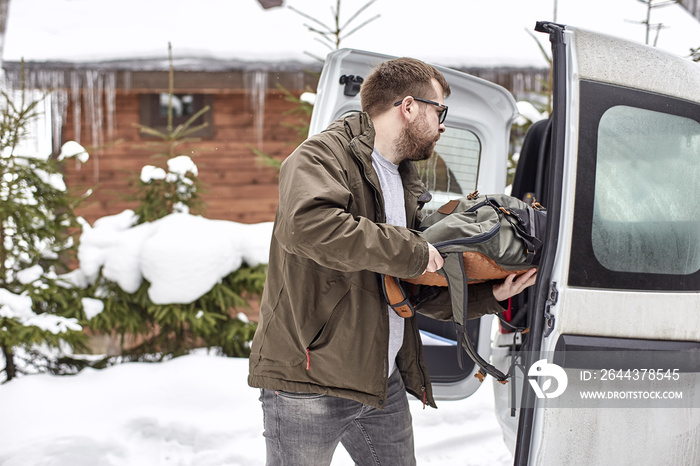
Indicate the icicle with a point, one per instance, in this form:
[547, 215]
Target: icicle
[299, 80]
[258, 92]
[59, 105]
[94, 83]
[76, 101]
[110, 104]
[127, 82]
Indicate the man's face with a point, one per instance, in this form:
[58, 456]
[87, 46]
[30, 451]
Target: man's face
[418, 138]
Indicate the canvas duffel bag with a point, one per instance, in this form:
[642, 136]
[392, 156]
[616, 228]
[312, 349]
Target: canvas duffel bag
[481, 238]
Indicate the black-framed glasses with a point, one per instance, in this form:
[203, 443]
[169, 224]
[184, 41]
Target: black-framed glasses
[443, 108]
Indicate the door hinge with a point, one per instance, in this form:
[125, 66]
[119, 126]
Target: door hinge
[552, 299]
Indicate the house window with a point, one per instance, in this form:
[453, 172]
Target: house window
[154, 112]
[37, 139]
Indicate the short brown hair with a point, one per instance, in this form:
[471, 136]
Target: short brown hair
[392, 80]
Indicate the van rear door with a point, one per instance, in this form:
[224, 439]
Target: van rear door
[471, 155]
[612, 357]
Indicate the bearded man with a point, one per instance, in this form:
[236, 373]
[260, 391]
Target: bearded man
[332, 360]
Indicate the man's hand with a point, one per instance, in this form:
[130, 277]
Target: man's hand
[510, 286]
[435, 260]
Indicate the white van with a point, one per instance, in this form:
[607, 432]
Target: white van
[607, 371]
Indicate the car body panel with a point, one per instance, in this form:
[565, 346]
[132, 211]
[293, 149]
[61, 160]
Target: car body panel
[634, 319]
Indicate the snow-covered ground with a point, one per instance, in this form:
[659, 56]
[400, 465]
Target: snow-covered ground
[196, 410]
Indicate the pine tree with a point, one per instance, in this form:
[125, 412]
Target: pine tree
[157, 192]
[167, 330]
[170, 330]
[37, 227]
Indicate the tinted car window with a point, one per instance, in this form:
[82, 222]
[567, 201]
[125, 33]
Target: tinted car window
[454, 170]
[647, 172]
[638, 179]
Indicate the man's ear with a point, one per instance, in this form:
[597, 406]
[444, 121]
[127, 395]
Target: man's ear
[407, 108]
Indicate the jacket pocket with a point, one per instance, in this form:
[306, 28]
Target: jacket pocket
[308, 297]
[321, 318]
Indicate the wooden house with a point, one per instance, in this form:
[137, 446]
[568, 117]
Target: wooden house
[100, 105]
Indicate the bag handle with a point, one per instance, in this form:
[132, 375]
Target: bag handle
[396, 296]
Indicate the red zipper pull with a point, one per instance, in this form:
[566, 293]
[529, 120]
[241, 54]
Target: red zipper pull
[425, 396]
[308, 359]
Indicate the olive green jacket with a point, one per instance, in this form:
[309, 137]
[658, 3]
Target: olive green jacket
[323, 324]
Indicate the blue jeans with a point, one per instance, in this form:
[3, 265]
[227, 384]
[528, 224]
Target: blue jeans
[303, 429]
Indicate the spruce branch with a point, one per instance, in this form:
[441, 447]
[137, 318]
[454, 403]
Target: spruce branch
[311, 18]
[365, 23]
[357, 13]
[334, 35]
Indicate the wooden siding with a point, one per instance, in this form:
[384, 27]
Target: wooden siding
[236, 186]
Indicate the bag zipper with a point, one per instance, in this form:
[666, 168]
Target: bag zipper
[472, 239]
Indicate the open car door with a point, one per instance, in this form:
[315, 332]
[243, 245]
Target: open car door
[470, 155]
[610, 365]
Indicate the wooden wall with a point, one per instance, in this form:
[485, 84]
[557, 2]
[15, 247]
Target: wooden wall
[236, 185]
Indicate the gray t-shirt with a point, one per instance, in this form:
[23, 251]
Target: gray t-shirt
[395, 209]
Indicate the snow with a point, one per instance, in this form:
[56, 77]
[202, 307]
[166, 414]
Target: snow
[19, 308]
[196, 410]
[13, 305]
[181, 255]
[27, 276]
[185, 255]
[528, 113]
[72, 149]
[181, 165]
[52, 323]
[150, 173]
[55, 180]
[92, 307]
[448, 32]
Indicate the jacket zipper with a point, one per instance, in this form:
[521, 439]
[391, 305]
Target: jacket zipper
[379, 199]
[378, 196]
[308, 359]
[419, 348]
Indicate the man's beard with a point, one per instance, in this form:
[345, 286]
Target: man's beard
[415, 142]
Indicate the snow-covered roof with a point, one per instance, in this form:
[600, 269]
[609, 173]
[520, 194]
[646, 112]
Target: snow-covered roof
[459, 33]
